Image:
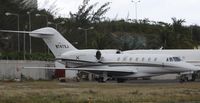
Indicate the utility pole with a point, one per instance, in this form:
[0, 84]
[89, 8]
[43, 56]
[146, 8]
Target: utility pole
[29, 21]
[18, 39]
[135, 2]
[90, 28]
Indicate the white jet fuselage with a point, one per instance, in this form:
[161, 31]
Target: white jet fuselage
[126, 65]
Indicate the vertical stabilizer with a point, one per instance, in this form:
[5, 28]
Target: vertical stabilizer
[55, 41]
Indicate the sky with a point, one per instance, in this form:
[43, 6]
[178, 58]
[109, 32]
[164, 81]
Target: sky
[154, 10]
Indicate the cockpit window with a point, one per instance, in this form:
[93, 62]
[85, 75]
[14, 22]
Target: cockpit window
[155, 59]
[177, 59]
[171, 59]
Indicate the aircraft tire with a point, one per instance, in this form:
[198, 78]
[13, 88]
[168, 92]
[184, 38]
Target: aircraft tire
[183, 79]
[194, 76]
[101, 80]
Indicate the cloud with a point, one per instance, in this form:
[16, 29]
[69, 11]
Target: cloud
[157, 10]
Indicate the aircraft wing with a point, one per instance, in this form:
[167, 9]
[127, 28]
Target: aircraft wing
[87, 69]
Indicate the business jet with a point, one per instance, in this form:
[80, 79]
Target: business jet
[108, 63]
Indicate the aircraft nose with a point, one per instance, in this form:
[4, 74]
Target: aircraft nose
[190, 67]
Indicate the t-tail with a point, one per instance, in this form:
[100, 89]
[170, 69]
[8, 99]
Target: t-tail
[55, 41]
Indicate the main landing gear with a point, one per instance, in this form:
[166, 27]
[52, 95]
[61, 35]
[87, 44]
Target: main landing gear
[121, 80]
[103, 78]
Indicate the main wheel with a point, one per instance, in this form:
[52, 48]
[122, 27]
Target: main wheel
[101, 80]
[194, 76]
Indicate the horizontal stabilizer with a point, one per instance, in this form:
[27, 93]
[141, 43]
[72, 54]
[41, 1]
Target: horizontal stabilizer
[26, 32]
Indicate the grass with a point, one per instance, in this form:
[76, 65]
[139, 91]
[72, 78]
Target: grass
[86, 92]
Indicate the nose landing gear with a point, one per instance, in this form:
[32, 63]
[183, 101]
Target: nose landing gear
[187, 77]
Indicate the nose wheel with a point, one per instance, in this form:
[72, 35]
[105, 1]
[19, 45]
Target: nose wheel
[187, 77]
[183, 78]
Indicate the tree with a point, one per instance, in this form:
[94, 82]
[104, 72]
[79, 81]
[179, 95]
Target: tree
[195, 31]
[87, 15]
[102, 41]
[181, 35]
[9, 22]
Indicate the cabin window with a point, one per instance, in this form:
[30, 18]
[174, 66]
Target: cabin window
[149, 59]
[143, 59]
[155, 59]
[130, 59]
[136, 59]
[124, 59]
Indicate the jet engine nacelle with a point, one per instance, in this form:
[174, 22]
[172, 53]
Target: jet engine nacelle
[83, 55]
[98, 55]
